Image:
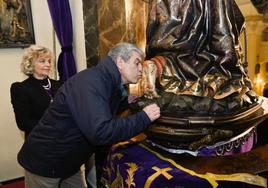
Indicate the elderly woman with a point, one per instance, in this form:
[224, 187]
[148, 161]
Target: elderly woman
[31, 97]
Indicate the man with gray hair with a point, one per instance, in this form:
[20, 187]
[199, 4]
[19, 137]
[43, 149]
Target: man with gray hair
[83, 118]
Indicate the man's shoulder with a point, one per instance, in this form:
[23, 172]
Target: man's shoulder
[90, 74]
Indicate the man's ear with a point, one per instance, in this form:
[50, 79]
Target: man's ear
[119, 62]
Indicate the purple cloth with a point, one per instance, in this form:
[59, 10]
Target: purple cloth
[62, 21]
[240, 145]
[134, 164]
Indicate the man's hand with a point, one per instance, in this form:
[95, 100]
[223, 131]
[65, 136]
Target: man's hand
[152, 111]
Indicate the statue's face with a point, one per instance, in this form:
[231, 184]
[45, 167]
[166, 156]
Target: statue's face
[131, 70]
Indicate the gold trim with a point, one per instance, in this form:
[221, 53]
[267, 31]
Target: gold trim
[131, 172]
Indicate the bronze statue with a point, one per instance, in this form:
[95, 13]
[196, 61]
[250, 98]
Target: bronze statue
[196, 72]
[194, 53]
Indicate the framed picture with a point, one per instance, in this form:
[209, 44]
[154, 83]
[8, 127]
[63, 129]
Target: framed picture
[16, 26]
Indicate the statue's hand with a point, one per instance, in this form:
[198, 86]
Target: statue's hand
[132, 98]
[148, 79]
[150, 94]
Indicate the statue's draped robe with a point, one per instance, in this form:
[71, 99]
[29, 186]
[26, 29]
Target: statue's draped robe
[196, 44]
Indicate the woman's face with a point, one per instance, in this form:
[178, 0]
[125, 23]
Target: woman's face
[42, 66]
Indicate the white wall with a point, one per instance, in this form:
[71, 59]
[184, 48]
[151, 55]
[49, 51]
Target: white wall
[11, 138]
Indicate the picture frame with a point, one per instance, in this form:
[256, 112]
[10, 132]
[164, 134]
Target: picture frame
[16, 26]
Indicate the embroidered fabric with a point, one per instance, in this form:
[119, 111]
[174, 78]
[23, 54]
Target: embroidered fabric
[239, 144]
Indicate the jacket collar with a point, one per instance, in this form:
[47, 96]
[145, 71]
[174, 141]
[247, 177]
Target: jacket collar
[110, 67]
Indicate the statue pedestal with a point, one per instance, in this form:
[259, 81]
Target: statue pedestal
[192, 132]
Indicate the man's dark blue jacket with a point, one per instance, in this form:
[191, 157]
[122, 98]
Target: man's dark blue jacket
[81, 117]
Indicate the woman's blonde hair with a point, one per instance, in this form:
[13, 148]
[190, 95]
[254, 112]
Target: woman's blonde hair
[30, 55]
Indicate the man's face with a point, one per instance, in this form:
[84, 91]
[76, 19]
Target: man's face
[131, 70]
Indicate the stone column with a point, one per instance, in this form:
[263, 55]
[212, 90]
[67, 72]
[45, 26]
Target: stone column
[90, 13]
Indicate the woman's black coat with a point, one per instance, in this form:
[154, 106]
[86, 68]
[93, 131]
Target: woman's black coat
[30, 100]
